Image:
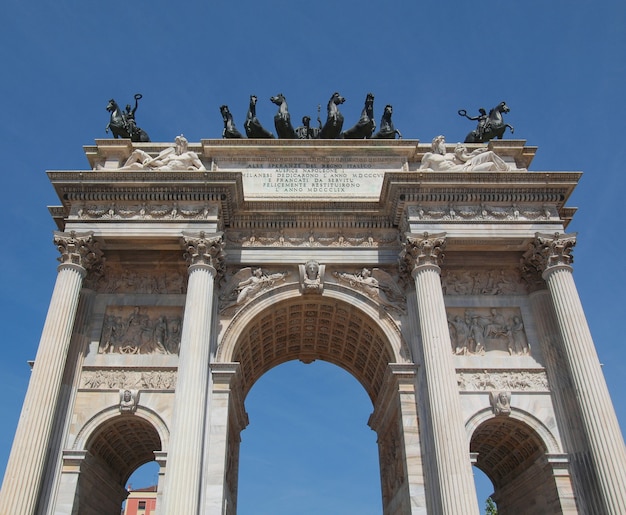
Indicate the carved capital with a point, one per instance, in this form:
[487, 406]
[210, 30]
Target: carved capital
[548, 251]
[201, 249]
[421, 250]
[78, 249]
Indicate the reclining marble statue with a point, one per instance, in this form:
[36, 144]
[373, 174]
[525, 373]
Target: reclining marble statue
[480, 160]
[177, 157]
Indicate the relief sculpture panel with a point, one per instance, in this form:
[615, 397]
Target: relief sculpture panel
[141, 330]
[481, 330]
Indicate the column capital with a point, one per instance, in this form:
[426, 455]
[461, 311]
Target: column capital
[203, 249]
[547, 252]
[423, 250]
[78, 248]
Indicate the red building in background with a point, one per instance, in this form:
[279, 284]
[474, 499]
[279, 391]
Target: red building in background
[141, 501]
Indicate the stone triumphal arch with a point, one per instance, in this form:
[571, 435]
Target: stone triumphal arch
[448, 293]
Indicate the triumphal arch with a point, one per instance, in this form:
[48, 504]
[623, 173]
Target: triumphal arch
[442, 283]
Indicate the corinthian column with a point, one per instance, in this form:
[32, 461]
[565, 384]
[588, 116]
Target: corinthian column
[23, 479]
[453, 483]
[184, 457]
[551, 255]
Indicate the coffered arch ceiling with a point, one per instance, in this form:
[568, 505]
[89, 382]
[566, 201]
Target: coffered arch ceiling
[506, 447]
[307, 329]
[124, 443]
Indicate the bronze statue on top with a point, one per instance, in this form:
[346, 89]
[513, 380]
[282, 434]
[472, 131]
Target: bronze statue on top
[489, 126]
[282, 119]
[334, 119]
[252, 125]
[364, 128]
[387, 130]
[305, 131]
[230, 131]
[122, 124]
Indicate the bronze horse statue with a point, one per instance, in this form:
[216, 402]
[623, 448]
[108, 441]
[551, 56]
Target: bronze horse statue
[252, 125]
[489, 127]
[282, 119]
[334, 119]
[364, 128]
[387, 130]
[230, 131]
[122, 124]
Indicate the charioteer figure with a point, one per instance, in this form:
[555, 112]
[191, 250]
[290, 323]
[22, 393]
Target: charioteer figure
[122, 123]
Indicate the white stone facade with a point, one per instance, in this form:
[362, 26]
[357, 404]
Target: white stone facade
[448, 294]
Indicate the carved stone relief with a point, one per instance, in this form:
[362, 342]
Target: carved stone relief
[500, 402]
[128, 400]
[313, 239]
[247, 284]
[141, 330]
[480, 330]
[485, 212]
[378, 285]
[118, 279]
[502, 380]
[483, 282]
[143, 211]
[128, 379]
[311, 277]
[390, 452]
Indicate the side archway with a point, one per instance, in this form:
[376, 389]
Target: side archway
[114, 445]
[519, 458]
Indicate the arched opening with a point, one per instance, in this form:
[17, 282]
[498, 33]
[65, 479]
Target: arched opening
[308, 448]
[115, 450]
[513, 457]
[352, 336]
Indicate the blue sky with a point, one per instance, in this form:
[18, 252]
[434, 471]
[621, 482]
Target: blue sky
[559, 65]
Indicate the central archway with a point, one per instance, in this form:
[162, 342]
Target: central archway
[343, 330]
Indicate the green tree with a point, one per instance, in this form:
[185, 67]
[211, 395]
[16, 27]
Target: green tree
[490, 507]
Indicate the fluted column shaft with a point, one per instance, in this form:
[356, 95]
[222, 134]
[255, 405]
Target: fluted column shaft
[454, 478]
[598, 416]
[184, 458]
[23, 479]
[552, 253]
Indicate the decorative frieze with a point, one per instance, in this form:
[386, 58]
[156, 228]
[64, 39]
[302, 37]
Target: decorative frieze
[481, 330]
[141, 211]
[141, 330]
[312, 239]
[502, 380]
[128, 379]
[464, 281]
[482, 212]
[118, 279]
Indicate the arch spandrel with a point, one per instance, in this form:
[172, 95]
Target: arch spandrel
[337, 327]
